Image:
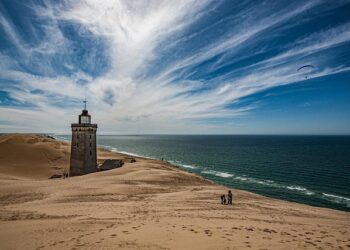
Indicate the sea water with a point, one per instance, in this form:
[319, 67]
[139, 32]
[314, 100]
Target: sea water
[314, 170]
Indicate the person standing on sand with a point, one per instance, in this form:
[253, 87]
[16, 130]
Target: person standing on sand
[229, 197]
[223, 199]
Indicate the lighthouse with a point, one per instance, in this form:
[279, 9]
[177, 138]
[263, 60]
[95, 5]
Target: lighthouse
[83, 158]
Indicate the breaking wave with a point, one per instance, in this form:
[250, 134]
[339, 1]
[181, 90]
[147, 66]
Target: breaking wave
[217, 173]
[337, 199]
[179, 164]
[188, 166]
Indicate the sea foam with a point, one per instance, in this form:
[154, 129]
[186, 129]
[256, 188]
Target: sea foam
[337, 199]
[296, 188]
[188, 166]
[217, 173]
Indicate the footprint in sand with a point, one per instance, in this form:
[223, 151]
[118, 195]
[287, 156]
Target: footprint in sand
[113, 235]
[208, 232]
[311, 243]
[284, 233]
[109, 226]
[79, 245]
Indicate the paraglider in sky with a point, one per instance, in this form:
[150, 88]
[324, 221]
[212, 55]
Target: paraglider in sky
[306, 69]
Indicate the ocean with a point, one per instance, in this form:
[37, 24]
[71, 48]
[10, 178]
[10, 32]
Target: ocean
[313, 170]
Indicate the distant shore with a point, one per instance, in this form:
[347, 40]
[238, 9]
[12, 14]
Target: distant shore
[148, 204]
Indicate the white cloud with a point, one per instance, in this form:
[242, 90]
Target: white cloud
[123, 99]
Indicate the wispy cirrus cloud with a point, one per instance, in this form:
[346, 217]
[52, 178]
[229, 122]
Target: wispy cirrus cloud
[157, 65]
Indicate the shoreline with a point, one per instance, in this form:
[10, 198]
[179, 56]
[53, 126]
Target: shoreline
[148, 204]
[335, 201]
[181, 168]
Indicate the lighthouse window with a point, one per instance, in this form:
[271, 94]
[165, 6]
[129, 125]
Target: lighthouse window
[77, 145]
[90, 144]
[90, 136]
[77, 136]
[90, 152]
[85, 119]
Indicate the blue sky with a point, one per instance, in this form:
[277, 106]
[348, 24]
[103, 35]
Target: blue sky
[203, 67]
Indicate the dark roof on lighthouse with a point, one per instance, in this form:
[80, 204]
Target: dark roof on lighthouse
[84, 118]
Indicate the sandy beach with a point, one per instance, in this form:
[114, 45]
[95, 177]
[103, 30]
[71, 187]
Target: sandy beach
[148, 204]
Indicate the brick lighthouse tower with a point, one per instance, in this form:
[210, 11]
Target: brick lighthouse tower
[83, 158]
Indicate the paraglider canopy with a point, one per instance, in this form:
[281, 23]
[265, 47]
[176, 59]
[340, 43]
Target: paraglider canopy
[306, 69]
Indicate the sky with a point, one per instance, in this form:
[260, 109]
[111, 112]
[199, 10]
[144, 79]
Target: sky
[176, 67]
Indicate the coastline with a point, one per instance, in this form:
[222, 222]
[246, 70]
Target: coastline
[149, 204]
[268, 182]
[187, 168]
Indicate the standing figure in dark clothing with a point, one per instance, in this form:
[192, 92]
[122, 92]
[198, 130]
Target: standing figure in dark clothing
[223, 199]
[229, 197]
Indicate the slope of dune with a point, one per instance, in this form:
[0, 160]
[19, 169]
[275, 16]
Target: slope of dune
[148, 204]
[32, 156]
[37, 156]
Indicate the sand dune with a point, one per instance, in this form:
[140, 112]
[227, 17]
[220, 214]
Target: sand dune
[148, 204]
[32, 156]
[37, 156]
